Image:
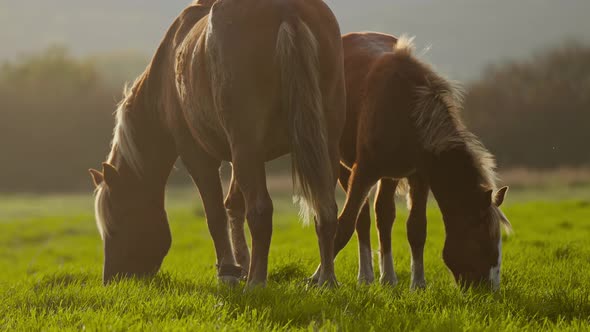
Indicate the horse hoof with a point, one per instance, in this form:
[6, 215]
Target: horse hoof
[328, 283]
[418, 284]
[313, 280]
[244, 275]
[309, 283]
[253, 285]
[389, 280]
[365, 281]
[229, 274]
[229, 280]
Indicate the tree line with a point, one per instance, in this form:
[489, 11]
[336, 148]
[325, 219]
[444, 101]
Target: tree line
[56, 114]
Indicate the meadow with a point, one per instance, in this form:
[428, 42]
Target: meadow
[51, 256]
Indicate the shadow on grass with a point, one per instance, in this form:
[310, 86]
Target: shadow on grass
[287, 303]
[63, 279]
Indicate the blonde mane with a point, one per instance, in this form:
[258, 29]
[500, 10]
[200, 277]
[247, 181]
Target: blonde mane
[123, 146]
[404, 45]
[437, 117]
[101, 210]
[123, 142]
[438, 120]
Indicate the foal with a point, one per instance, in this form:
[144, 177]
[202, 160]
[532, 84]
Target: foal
[403, 122]
[239, 80]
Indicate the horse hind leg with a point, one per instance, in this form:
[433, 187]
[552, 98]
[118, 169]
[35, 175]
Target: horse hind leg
[251, 178]
[326, 226]
[385, 217]
[315, 121]
[416, 228]
[236, 211]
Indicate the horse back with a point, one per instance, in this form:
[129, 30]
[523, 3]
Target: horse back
[382, 76]
[361, 52]
[242, 47]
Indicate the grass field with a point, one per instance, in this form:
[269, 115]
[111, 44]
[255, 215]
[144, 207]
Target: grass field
[50, 263]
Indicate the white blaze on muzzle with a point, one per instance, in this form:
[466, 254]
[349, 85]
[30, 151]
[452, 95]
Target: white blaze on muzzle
[495, 270]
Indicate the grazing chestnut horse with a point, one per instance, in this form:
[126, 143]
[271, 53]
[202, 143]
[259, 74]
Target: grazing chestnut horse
[239, 80]
[403, 122]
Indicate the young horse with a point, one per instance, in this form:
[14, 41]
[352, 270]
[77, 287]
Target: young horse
[403, 122]
[243, 81]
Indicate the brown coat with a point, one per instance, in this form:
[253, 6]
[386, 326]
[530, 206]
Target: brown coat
[244, 81]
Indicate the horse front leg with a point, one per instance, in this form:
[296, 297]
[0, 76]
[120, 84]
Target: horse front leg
[360, 184]
[416, 229]
[363, 231]
[236, 211]
[205, 173]
[385, 217]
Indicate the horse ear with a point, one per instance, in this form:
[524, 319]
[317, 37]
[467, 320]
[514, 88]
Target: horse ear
[97, 177]
[111, 175]
[500, 195]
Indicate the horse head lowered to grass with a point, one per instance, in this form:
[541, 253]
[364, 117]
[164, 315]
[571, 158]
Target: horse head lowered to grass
[241, 81]
[403, 122]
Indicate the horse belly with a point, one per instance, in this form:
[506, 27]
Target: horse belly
[200, 113]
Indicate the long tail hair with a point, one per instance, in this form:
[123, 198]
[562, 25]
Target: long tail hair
[297, 52]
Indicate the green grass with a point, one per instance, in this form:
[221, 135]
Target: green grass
[50, 263]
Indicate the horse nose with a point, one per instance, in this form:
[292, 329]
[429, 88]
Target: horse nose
[110, 275]
[495, 277]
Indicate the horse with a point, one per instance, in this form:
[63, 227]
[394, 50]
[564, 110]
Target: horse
[403, 130]
[244, 81]
[403, 122]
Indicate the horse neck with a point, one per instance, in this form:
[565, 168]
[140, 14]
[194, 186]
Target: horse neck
[456, 180]
[142, 147]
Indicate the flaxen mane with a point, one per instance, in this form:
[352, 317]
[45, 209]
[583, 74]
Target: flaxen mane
[124, 146]
[123, 135]
[101, 210]
[437, 118]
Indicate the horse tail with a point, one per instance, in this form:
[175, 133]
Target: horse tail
[298, 58]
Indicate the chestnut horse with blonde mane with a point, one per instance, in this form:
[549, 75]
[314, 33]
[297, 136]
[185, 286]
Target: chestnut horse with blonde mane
[403, 122]
[244, 81]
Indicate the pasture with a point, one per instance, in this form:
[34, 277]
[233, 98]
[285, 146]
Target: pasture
[51, 256]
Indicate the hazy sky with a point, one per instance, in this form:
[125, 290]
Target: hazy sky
[464, 35]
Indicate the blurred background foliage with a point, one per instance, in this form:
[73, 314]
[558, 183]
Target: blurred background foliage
[57, 113]
[535, 112]
[56, 120]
